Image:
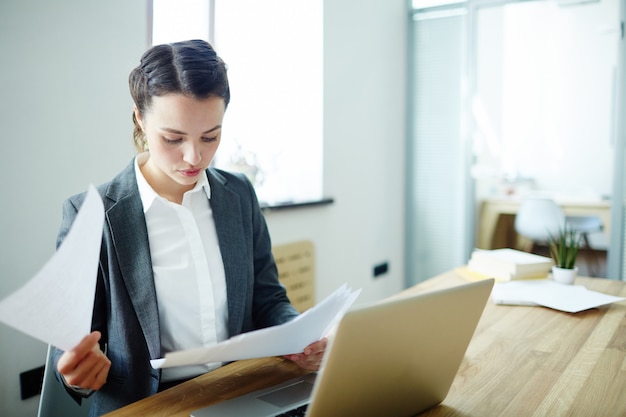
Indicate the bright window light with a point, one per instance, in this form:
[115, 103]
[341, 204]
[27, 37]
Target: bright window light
[175, 20]
[273, 126]
[424, 4]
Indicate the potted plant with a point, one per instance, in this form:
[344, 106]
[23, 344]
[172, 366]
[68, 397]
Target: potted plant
[564, 248]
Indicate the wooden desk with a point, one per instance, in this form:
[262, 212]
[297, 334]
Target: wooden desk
[494, 229]
[522, 361]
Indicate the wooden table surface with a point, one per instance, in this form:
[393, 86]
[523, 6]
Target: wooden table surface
[522, 361]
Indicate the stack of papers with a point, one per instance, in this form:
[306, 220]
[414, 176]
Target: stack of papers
[509, 264]
[548, 293]
[285, 339]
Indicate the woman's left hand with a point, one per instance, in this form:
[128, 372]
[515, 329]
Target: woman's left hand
[312, 356]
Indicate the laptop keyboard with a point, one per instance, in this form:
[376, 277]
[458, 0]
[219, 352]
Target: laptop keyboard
[296, 412]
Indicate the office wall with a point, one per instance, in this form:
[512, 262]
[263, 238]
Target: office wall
[65, 117]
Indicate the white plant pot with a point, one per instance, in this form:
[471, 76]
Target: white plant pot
[564, 276]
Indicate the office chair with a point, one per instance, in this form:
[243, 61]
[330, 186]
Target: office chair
[54, 401]
[538, 218]
[585, 225]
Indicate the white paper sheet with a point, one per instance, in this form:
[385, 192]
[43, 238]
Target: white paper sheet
[287, 338]
[56, 305]
[548, 293]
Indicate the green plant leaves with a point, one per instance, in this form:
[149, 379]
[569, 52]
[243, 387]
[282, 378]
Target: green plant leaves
[564, 247]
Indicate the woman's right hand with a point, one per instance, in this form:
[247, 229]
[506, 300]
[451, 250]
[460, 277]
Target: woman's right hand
[85, 366]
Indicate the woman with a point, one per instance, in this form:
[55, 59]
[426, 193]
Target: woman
[186, 255]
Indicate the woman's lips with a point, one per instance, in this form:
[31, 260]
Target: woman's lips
[189, 172]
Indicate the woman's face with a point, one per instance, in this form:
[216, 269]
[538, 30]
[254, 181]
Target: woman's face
[183, 135]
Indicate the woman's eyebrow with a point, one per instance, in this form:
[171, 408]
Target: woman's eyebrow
[178, 132]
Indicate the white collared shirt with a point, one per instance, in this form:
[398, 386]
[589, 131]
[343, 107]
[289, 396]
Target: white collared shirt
[188, 272]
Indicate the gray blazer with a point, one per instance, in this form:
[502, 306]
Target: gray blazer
[125, 308]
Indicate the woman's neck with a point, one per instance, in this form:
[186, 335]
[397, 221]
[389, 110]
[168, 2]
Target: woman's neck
[163, 185]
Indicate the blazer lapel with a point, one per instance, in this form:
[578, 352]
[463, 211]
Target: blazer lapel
[126, 221]
[226, 209]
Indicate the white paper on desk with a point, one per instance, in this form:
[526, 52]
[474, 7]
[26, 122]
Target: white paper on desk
[56, 305]
[287, 338]
[548, 293]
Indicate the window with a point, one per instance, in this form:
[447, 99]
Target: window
[273, 49]
[174, 20]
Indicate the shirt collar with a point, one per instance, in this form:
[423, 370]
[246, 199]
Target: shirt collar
[148, 195]
[203, 183]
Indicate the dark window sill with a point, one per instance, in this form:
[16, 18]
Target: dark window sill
[295, 204]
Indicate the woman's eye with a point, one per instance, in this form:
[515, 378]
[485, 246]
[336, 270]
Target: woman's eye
[208, 140]
[170, 141]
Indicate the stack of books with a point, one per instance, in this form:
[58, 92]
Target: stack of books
[509, 264]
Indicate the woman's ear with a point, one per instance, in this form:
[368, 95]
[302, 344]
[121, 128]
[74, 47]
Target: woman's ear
[138, 117]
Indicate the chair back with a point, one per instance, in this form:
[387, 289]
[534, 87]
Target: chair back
[537, 218]
[296, 271]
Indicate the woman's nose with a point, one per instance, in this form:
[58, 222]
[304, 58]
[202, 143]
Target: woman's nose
[192, 154]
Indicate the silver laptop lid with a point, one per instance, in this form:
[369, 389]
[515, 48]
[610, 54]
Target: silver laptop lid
[398, 357]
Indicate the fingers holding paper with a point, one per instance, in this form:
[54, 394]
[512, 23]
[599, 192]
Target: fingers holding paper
[85, 366]
[311, 358]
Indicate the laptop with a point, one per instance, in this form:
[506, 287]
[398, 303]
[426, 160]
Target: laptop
[397, 357]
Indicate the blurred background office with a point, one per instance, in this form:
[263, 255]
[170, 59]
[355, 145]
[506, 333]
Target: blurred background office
[512, 100]
[414, 120]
